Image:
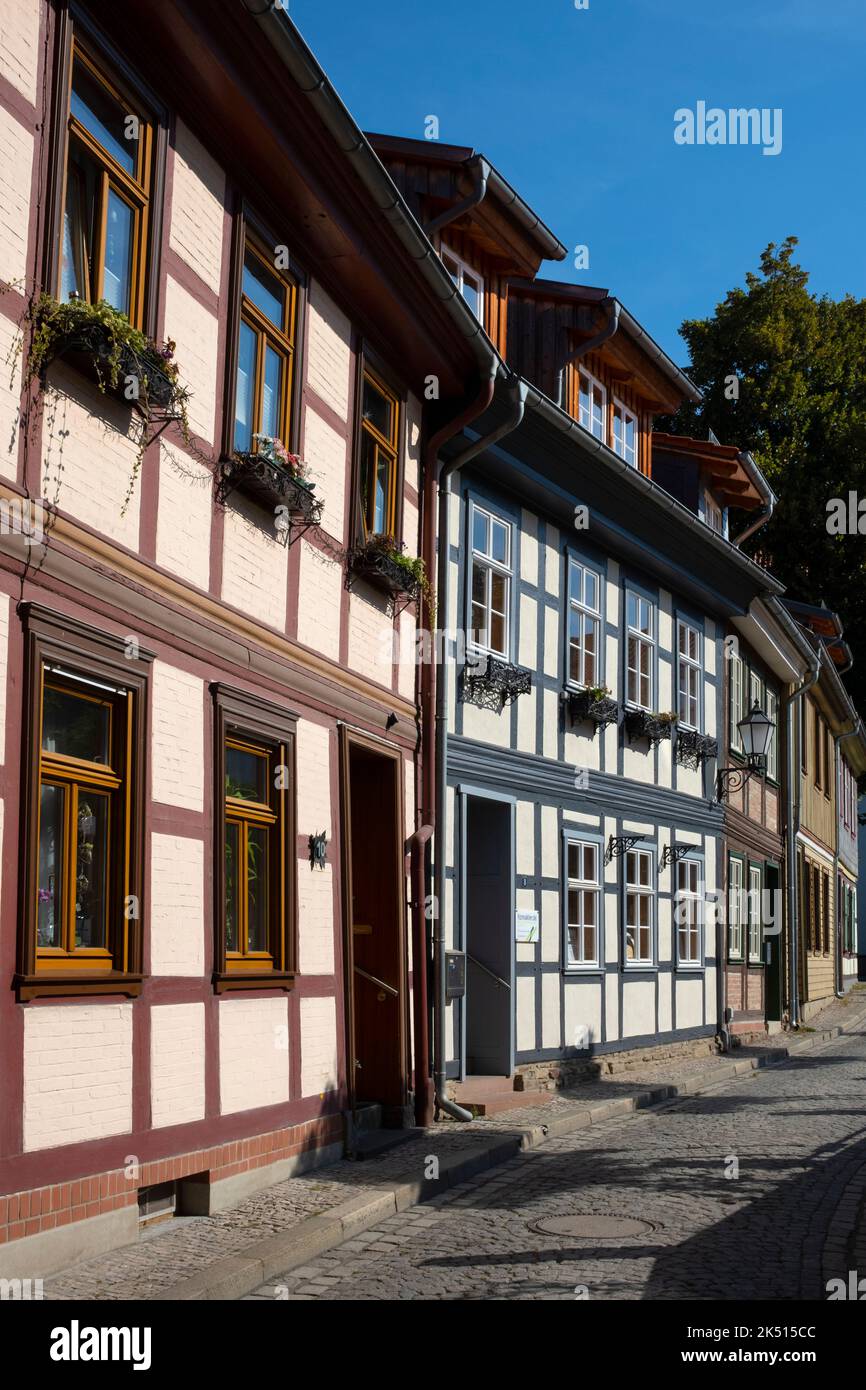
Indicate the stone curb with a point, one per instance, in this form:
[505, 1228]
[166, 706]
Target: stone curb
[236, 1275]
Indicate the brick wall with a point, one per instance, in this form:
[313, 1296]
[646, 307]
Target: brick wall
[177, 1057]
[255, 563]
[325, 452]
[197, 208]
[320, 589]
[16, 160]
[177, 741]
[194, 330]
[176, 905]
[254, 1054]
[183, 523]
[10, 396]
[328, 353]
[318, 1046]
[77, 1074]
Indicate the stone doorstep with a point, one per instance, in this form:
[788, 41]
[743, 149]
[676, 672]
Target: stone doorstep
[239, 1274]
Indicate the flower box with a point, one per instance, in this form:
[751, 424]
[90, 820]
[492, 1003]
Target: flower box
[492, 683]
[590, 707]
[92, 350]
[259, 476]
[382, 563]
[642, 724]
[694, 749]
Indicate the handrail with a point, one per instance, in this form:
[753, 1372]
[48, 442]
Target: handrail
[481, 966]
[375, 981]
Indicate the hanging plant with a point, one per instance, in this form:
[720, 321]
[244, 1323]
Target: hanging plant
[381, 559]
[124, 362]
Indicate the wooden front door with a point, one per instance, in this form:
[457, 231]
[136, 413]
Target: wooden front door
[375, 934]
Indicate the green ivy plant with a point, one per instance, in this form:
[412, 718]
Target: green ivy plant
[411, 565]
[55, 325]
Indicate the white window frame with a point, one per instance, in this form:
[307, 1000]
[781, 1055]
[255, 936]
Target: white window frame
[589, 617]
[464, 270]
[582, 886]
[491, 566]
[688, 914]
[738, 685]
[641, 639]
[623, 451]
[735, 905]
[585, 418]
[771, 709]
[690, 664]
[635, 891]
[755, 925]
[713, 510]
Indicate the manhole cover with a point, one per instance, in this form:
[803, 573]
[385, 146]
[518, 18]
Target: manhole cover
[593, 1227]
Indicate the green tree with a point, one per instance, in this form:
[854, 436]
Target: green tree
[783, 373]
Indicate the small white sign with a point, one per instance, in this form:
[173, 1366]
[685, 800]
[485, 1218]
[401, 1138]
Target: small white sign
[526, 924]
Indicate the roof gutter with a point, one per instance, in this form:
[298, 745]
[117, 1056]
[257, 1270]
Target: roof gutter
[770, 499]
[658, 355]
[481, 175]
[614, 310]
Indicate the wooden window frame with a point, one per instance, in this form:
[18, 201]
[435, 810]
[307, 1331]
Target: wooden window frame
[618, 405]
[641, 639]
[754, 922]
[633, 888]
[691, 928]
[594, 382]
[52, 639]
[250, 232]
[490, 566]
[581, 886]
[370, 368]
[737, 919]
[240, 717]
[74, 33]
[691, 664]
[463, 267]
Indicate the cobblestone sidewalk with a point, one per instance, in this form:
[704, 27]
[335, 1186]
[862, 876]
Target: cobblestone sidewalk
[208, 1256]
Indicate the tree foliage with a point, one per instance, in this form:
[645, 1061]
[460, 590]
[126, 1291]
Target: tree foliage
[783, 372]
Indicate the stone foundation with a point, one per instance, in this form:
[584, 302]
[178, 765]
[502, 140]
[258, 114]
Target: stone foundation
[553, 1075]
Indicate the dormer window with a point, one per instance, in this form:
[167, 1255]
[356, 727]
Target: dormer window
[468, 281]
[593, 406]
[713, 515]
[625, 433]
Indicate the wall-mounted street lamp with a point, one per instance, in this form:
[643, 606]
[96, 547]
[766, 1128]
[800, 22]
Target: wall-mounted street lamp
[756, 733]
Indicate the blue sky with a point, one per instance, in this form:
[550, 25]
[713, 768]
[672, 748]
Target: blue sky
[576, 109]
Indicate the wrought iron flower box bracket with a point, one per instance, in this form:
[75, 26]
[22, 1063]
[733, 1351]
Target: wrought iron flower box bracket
[640, 724]
[492, 683]
[672, 854]
[618, 845]
[273, 486]
[585, 708]
[694, 749]
[383, 570]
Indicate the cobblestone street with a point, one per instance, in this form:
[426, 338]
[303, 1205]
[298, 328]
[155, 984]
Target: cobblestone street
[793, 1217]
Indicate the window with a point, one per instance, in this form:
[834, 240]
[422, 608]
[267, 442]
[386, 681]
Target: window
[256, 854]
[828, 762]
[583, 902]
[639, 907]
[584, 625]
[737, 708]
[624, 433]
[804, 737]
[468, 281]
[755, 927]
[592, 406]
[84, 810]
[687, 912]
[265, 350]
[736, 909]
[378, 470]
[825, 914]
[713, 515]
[640, 620]
[689, 681]
[106, 199]
[815, 912]
[771, 708]
[491, 582]
[818, 729]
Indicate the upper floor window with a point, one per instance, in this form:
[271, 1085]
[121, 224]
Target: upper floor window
[265, 350]
[771, 708]
[592, 405]
[639, 906]
[640, 621]
[378, 445]
[491, 582]
[583, 901]
[255, 875]
[818, 729]
[687, 912]
[689, 676]
[737, 700]
[736, 908]
[713, 514]
[624, 433]
[584, 624]
[755, 926]
[468, 281]
[107, 188]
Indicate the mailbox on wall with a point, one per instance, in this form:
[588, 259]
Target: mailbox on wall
[455, 974]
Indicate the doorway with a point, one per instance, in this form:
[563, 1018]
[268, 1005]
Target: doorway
[489, 904]
[374, 927]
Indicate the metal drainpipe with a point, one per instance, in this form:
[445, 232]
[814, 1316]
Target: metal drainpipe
[837, 739]
[443, 589]
[764, 515]
[613, 308]
[478, 194]
[793, 826]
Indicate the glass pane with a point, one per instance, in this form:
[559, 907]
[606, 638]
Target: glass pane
[573, 906]
[99, 113]
[49, 898]
[257, 888]
[75, 726]
[497, 633]
[246, 775]
[590, 589]
[78, 218]
[118, 253]
[472, 295]
[632, 611]
[265, 290]
[91, 869]
[480, 538]
[272, 394]
[479, 624]
[589, 863]
[244, 389]
[377, 409]
[232, 915]
[380, 504]
[589, 909]
[589, 943]
[500, 542]
[498, 592]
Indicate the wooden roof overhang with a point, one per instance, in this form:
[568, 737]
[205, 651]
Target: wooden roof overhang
[215, 66]
[722, 468]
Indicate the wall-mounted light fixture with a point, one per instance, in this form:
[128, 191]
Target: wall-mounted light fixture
[756, 731]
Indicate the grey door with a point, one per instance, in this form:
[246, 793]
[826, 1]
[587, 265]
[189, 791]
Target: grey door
[489, 936]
